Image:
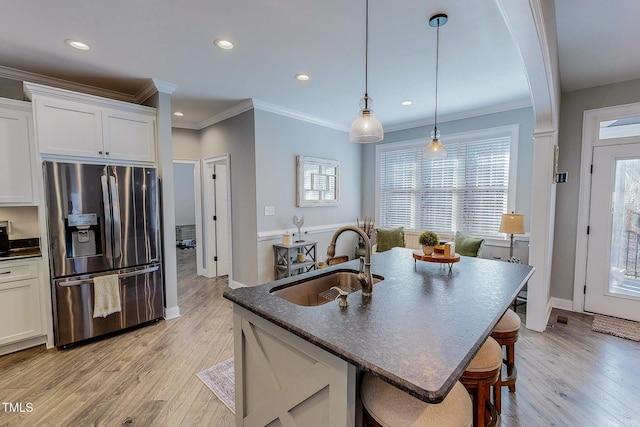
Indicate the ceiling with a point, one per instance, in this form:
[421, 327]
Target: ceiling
[480, 67]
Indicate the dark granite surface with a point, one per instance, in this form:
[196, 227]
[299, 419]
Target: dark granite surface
[22, 248]
[418, 331]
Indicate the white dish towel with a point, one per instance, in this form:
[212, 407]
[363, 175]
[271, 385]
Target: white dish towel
[106, 295]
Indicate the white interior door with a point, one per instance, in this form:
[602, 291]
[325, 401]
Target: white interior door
[217, 221]
[222, 220]
[613, 254]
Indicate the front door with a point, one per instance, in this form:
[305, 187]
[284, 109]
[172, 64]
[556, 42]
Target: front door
[613, 255]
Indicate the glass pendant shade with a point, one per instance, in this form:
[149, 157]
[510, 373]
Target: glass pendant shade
[366, 128]
[435, 149]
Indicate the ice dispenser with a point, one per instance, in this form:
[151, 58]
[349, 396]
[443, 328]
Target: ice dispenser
[83, 235]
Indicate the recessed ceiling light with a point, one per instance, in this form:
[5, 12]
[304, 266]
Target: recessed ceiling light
[407, 102]
[223, 44]
[178, 114]
[76, 44]
[302, 77]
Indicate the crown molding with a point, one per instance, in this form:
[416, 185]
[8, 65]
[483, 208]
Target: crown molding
[240, 108]
[514, 105]
[276, 109]
[26, 76]
[153, 86]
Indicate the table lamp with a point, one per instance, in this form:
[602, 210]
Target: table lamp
[512, 223]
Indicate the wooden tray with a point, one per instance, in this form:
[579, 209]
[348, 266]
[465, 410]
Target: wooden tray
[438, 258]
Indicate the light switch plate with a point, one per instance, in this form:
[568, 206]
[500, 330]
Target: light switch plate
[269, 210]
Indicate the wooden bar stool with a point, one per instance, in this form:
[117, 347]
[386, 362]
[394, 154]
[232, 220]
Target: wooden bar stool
[387, 406]
[482, 373]
[506, 334]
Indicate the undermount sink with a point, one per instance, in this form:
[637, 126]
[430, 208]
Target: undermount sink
[317, 290]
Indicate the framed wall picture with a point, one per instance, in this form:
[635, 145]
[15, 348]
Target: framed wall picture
[318, 182]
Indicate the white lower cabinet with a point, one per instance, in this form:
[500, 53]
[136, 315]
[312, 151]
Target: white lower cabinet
[20, 302]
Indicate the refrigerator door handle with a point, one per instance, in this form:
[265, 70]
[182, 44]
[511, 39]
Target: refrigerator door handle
[117, 231]
[120, 276]
[107, 216]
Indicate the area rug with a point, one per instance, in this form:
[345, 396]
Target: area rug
[221, 380]
[617, 327]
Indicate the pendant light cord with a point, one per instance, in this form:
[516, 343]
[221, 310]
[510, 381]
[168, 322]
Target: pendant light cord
[366, 58]
[435, 119]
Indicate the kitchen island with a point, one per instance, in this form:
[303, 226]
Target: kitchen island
[418, 331]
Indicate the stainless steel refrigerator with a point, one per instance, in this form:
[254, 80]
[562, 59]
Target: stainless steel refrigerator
[102, 220]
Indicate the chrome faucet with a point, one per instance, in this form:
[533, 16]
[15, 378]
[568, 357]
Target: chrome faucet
[364, 275]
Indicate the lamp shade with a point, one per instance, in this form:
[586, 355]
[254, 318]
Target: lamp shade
[512, 223]
[435, 149]
[366, 128]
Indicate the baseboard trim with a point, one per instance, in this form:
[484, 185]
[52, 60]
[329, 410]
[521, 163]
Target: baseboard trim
[562, 304]
[22, 345]
[171, 312]
[235, 285]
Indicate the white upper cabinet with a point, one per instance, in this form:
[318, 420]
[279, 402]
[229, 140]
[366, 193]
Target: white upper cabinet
[16, 150]
[129, 136]
[70, 124]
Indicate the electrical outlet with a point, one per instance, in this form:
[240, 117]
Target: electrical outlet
[269, 210]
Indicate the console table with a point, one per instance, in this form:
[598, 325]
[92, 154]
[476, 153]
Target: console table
[296, 258]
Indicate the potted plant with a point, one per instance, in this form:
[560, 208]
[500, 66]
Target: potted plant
[428, 239]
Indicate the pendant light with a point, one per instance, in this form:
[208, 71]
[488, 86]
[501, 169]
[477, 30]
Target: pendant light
[366, 128]
[436, 149]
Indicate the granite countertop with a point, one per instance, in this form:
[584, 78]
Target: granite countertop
[418, 331]
[21, 253]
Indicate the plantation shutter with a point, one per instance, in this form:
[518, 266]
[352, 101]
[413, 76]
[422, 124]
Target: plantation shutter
[467, 191]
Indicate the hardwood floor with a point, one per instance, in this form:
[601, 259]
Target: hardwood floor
[567, 376]
[145, 377]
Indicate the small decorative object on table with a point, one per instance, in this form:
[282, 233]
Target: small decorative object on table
[428, 239]
[437, 258]
[367, 225]
[298, 223]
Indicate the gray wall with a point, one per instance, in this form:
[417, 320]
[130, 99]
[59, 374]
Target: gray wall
[572, 106]
[184, 194]
[186, 144]
[522, 117]
[235, 136]
[279, 140]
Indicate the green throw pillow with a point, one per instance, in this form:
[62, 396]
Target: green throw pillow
[389, 238]
[468, 246]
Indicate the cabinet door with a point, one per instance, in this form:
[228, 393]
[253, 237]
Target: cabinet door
[20, 312]
[16, 185]
[68, 128]
[129, 135]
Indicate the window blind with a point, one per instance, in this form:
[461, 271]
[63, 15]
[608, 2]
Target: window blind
[466, 191]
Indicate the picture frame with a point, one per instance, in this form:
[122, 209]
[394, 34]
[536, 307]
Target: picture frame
[318, 182]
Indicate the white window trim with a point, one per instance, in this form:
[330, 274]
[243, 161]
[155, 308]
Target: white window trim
[511, 131]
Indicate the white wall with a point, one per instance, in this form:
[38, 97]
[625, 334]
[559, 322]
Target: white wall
[186, 144]
[184, 194]
[24, 221]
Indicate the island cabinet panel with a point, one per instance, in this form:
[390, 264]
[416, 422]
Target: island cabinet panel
[282, 379]
[16, 145]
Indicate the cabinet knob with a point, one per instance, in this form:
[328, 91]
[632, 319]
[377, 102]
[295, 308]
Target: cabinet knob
[107, 153]
[99, 152]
